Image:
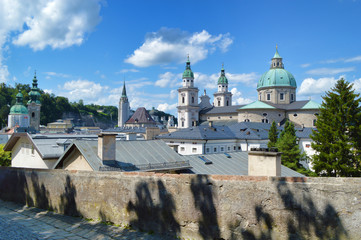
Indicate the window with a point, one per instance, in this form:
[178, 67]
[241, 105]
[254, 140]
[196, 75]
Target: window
[194, 150]
[268, 97]
[182, 123]
[229, 148]
[191, 80]
[314, 122]
[292, 97]
[184, 80]
[230, 116]
[264, 114]
[182, 142]
[182, 99]
[194, 142]
[227, 102]
[187, 80]
[295, 115]
[192, 99]
[265, 120]
[282, 96]
[239, 147]
[32, 114]
[182, 149]
[219, 117]
[234, 148]
[207, 150]
[246, 120]
[192, 123]
[215, 149]
[222, 149]
[219, 103]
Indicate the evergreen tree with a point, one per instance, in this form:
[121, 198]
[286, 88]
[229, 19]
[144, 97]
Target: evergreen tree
[5, 157]
[337, 140]
[291, 153]
[272, 135]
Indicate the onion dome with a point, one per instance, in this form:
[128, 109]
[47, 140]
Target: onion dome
[34, 94]
[222, 79]
[188, 72]
[19, 108]
[277, 76]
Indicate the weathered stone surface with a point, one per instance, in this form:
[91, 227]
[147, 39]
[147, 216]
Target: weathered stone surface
[197, 206]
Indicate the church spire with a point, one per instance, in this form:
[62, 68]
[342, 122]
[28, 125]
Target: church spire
[277, 60]
[124, 92]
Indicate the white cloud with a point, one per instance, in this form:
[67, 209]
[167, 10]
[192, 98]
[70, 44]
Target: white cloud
[354, 59]
[127, 70]
[42, 23]
[171, 45]
[237, 98]
[59, 23]
[311, 86]
[173, 94]
[330, 71]
[165, 107]
[49, 75]
[89, 91]
[168, 79]
[305, 65]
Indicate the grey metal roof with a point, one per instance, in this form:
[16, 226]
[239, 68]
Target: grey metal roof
[222, 165]
[297, 105]
[131, 155]
[241, 130]
[218, 110]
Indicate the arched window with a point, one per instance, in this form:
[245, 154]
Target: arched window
[219, 103]
[246, 120]
[182, 123]
[227, 102]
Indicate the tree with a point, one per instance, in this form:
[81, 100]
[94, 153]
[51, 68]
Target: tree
[272, 135]
[5, 157]
[291, 153]
[337, 140]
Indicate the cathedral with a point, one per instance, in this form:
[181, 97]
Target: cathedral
[276, 100]
[23, 117]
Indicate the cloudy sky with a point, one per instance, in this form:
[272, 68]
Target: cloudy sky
[85, 49]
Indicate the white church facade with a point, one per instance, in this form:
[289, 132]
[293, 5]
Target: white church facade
[276, 100]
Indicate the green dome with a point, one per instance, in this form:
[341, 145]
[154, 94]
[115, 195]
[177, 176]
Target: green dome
[277, 77]
[222, 79]
[188, 72]
[19, 108]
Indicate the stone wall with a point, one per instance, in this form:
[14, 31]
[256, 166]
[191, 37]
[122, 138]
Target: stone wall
[197, 206]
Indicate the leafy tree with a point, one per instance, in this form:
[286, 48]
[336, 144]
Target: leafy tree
[337, 140]
[5, 157]
[291, 153]
[272, 135]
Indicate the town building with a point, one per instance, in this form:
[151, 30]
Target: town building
[19, 115]
[277, 100]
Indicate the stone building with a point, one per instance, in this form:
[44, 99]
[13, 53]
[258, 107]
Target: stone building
[276, 100]
[19, 115]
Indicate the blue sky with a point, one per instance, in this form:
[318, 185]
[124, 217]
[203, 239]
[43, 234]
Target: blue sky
[84, 49]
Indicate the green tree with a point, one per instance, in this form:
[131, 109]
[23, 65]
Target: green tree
[272, 136]
[5, 157]
[291, 153]
[337, 140]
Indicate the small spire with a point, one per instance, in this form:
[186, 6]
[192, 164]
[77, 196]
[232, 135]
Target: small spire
[277, 55]
[124, 92]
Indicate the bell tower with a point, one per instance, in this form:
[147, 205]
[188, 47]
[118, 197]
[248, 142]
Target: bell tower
[188, 108]
[222, 98]
[34, 105]
[123, 110]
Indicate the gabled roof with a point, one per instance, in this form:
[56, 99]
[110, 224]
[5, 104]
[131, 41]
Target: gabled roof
[149, 155]
[258, 105]
[312, 105]
[236, 164]
[141, 116]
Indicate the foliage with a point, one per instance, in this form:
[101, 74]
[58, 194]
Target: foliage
[272, 135]
[291, 153]
[337, 140]
[5, 157]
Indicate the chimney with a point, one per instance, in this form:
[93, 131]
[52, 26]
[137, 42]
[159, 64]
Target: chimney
[106, 147]
[264, 163]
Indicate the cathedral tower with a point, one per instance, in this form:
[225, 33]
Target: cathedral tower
[123, 110]
[34, 105]
[222, 98]
[188, 108]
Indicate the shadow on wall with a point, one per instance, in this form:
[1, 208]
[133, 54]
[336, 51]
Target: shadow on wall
[154, 215]
[14, 187]
[304, 220]
[202, 192]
